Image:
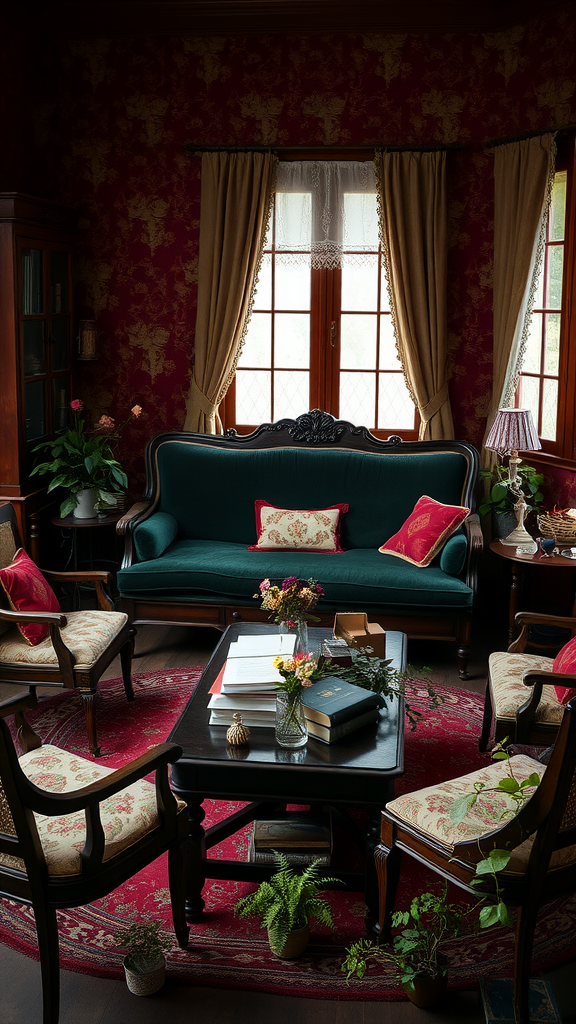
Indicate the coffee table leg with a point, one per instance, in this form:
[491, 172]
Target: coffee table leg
[196, 859]
[371, 882]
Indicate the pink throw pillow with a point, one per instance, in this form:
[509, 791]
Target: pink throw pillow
[28, 591]
[425, 532]
[565, 662]
[293, 529]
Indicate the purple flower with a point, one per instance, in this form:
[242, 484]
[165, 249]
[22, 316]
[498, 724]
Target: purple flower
[289, 581]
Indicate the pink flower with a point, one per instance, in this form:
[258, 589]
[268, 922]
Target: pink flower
[136, 410]
[290, 623]
[265, 585]
[76, 404]
[106, 421]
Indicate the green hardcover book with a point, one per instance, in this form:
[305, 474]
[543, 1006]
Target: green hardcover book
[337, 732]
[331, 701]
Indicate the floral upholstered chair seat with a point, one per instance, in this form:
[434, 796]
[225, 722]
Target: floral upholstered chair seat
[87, 635]
[509, 692]
[428, 810]
[126, 816]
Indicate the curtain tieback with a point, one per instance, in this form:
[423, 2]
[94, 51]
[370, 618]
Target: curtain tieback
[435, 403]
[208, 408]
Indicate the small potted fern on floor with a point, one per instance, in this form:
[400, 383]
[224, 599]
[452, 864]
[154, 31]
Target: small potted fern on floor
[144, 963]
[285, 905]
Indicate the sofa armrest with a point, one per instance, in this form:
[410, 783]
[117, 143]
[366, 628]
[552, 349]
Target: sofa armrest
[126, 525]
[154, 535]
[475, 547]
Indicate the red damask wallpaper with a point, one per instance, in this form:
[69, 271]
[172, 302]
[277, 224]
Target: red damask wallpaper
[109, 132]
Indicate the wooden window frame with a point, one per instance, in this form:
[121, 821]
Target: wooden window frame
[325, 323]
[562, 451]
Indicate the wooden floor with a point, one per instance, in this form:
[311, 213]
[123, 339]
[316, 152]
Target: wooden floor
[87, 1000]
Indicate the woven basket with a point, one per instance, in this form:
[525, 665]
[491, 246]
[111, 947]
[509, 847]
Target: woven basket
[556, 525]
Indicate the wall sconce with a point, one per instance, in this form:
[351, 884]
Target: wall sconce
[87, 340]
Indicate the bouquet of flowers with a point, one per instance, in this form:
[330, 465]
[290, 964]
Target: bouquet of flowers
[297, 672]
[293, 601]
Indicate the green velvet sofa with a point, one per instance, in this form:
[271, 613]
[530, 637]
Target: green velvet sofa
[186, 559]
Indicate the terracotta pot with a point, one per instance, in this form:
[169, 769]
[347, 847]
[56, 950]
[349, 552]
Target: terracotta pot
[145, 984]
[296, 943]
[425, 991]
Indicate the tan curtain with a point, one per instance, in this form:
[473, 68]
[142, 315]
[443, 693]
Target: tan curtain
[523, 174]
[235, 204]
[414, 226]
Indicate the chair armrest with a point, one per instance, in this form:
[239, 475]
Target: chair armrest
[54, 804]
[48, 618]
[18, 704]
[125, 528]
[527, 619]
[95, 576]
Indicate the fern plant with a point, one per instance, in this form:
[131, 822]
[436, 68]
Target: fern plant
[288, 900]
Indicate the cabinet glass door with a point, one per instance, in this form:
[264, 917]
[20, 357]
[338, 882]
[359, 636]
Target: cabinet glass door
[32, 282]
[35, 411]
[59, 276]
[34, 361]
[60, 330]
[60, 401]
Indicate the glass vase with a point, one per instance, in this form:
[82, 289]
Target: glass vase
[302, 644]
[291, 728]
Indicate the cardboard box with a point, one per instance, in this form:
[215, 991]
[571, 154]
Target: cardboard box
[354, 628]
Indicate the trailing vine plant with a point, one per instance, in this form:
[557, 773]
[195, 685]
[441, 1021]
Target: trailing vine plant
[379, 676]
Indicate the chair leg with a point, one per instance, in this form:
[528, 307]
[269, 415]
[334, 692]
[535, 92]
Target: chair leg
[388, 859]
[47, 929]
[525, 928]
[126, 653]
[487, 719]
[176, 868]
[89, 700]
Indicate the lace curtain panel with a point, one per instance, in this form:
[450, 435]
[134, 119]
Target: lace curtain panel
[325, 210]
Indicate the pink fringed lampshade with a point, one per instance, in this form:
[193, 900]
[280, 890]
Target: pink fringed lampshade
[513, 430]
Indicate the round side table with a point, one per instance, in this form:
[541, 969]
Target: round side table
[518, 564]
[73, 524]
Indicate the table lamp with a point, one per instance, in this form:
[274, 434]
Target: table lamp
[511, 431]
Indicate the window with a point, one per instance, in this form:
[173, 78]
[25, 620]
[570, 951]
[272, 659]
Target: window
[321, 333]
[546, 384]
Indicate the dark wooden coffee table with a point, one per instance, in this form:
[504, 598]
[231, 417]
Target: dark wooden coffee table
[357, 771]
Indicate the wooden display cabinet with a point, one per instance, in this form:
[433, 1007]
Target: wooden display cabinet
[36, 346]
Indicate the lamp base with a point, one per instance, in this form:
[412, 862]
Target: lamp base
[518, 536]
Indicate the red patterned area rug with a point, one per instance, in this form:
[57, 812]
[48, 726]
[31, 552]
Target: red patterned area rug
[228, 952]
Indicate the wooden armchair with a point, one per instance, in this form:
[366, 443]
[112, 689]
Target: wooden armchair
[40, 863]
[520, 700]
[542, 838]
[81, 644]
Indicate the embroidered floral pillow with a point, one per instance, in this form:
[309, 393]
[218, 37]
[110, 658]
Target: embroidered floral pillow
[28, 591]
[565, 662]
[316, 529]
[425, 532]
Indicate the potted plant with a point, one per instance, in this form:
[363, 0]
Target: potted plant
[416, 951]
[285, 905]
[379, 676]
[144, 963]
[501, 499]
[83, 463]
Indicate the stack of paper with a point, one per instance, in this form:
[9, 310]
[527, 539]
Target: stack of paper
[248, 681]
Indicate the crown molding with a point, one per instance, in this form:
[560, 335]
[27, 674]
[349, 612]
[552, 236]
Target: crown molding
[246, 17]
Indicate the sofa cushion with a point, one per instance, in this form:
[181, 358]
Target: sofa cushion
[210, 490]
[152, 537]
[425, 531]
[281, 529]
[221, 571]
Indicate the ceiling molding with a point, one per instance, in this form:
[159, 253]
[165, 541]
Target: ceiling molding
[246, 17]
